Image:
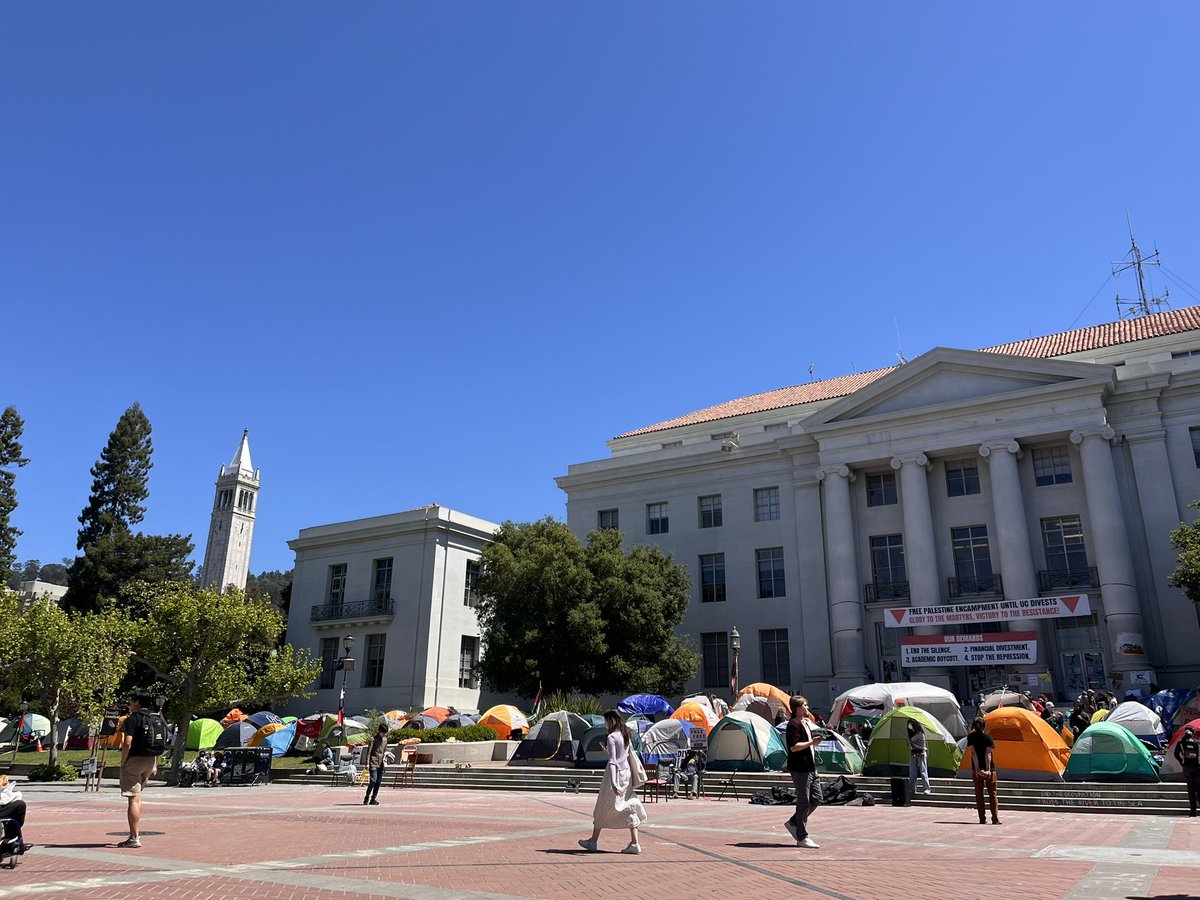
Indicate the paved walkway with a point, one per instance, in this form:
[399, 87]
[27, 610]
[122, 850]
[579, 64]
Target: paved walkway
[285, 841]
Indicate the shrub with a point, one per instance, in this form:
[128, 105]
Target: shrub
[581, 704]
[47, 772]
[466, 734]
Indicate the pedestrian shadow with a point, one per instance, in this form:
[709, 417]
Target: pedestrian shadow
[761, 845]
[73, 846]
[567, 851]
[1166, 897]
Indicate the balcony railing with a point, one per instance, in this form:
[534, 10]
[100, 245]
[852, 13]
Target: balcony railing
[360, 609]
[976, 584]
[885, 590]
[1051, 581]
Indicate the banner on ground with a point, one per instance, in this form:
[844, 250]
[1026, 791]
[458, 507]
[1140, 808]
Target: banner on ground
[988, 611]
[1006, 648]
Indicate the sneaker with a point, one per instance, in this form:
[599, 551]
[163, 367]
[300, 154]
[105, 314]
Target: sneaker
[791, 829]
[996, 821]
[635, 849]
[808, 844]
[589, 845]
[130, 843]
[24, 848]
[374, 802]
[928, 792]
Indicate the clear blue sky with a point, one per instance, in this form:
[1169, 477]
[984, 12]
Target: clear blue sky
[438, 252]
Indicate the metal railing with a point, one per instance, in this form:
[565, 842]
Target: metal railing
[885, 590]
[976, 584]
[1052, 580]
[359, 609]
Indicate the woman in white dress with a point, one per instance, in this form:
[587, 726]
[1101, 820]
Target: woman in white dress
[617, 805]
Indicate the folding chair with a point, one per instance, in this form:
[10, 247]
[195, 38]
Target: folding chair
[655, 785]
[407, 771]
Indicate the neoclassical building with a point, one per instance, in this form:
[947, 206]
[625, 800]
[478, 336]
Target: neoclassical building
[914, 522]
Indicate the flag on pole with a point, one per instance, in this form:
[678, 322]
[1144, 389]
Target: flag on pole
[733, 677]
[537, 701]
[341, 704]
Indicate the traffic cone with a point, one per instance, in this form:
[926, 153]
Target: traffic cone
[40, 748]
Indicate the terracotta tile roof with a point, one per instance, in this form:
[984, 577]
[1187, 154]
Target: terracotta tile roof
[1079, 340]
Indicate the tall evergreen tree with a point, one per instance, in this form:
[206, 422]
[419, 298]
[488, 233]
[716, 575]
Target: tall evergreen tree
[119, 480]
[11, 426]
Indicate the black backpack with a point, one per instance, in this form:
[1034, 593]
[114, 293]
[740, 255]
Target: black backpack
[149, 735]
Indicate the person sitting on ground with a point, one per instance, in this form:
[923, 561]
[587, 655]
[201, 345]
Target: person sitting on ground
[12, 807]
[325, 758]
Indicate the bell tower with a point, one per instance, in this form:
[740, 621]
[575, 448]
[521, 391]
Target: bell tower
[227, 556]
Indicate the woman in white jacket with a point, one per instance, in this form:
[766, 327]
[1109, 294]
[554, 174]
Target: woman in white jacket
[617, 805]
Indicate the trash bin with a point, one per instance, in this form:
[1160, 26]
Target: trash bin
[900, 792]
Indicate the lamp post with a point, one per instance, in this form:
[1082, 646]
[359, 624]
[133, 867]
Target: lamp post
[20, 729]
[735, 641]
[346, 664]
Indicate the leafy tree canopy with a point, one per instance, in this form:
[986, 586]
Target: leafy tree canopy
[274, 586]
[117, 560]
[11, 427]
[1186, 539]
[575, 617]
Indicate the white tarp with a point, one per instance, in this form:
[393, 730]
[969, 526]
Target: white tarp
[874, 700]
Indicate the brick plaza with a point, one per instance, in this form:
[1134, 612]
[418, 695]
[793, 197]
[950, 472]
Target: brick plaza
[293, 841]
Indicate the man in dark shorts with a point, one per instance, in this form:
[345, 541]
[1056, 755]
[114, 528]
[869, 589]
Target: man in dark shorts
[983, 769]
[1187, 752]
[138, 762]
[802, 766]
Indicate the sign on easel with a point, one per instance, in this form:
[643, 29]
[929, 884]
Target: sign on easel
[697, 739]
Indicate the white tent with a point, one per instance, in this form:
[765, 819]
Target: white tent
[872, 701]
[1141, 720]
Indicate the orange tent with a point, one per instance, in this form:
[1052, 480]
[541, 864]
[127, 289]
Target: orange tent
[772, 693]
[504, 719]
[1027, 748]
[438, 713]
[113, 740]
[234, 715]
[697, 714]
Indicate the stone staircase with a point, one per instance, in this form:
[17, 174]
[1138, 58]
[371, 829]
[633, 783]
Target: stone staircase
[1144, 799]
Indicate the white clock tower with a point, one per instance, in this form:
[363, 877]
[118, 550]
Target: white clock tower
[227, 557]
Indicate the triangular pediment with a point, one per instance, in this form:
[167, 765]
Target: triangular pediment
[944, 378]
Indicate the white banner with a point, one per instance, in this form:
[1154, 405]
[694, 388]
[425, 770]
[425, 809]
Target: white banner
[988, 611]
[1008, 648]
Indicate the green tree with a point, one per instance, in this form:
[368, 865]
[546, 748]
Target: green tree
[273, 586]
[26, 571]
[571, 617]
[54, 573]
[11, 427]
[120, 480]
[1186, 539]
[210, 651]
[103, 571]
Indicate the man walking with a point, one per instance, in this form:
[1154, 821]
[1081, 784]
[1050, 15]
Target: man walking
[375, 764]
[983, 770]
[1187, 752]
[144, 737]
[802, 766]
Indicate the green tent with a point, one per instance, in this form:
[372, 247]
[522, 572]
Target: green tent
[835, 754]
[887, 754]
[203, 734]
[1107, 751]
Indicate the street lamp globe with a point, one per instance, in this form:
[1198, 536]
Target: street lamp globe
[347, 643]
[735, 639]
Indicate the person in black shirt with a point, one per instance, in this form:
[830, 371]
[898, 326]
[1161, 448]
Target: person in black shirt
[802, 765]
[1187, 751]
[983, 770]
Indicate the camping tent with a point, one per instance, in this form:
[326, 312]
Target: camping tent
[871, 701]
[35, 726]
[666, 738]
[760, 706]
[460, 720]
[593, 749]
[553, 741]
[439, 713]
[651, 706]
[745, 742]
[696, 714]
[1001, 698]
[67, 729]
[1144, 722]
[1170, 769]
[1027, 748]
[504, 719]
[887, 754]
[1100, 715]
[235, 735]
[234, 715]
[259, 719]
[1169, 703]
[777, 699]
[1109, 752]
[203, 733]
[281, 739]
[835, 754]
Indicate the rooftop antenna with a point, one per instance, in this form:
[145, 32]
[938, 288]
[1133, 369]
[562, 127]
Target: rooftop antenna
[1145, 304]
[899, 347]
[810, 371]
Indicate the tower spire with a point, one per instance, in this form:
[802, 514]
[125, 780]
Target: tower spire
[231, 531]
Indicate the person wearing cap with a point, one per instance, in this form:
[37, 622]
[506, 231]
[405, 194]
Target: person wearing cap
[1187, 752]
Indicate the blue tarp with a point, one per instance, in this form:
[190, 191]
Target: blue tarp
[651, 706]
[1167, 704]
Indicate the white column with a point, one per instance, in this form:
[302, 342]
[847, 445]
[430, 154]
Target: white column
[1118, 585]
[845, 604]
[920, 555]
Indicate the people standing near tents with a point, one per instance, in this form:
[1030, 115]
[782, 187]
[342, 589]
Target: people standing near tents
[983, 770]
[1079, 719]
[1187, 752]
[918, 758]
[144, 737]
[375, 765]
[802, 766]
[617, 805]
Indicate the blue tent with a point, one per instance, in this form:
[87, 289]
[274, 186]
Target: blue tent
[651, 706]
[264, 718]
[280, 741]
[1167, 704]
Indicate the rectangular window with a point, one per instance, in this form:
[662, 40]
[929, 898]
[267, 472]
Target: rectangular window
[972, 560]
[246, 500]
[1051, 465]
[710, 511]
[1195, 433]
[225, 499]
[715, 665]
[372, 675]
[329, 652]
[383, 579]
[337, 585]
[766, 504]
[608, 518]
[712, 578]
[1062, 537]
[468, 659]
[470, 592]
[1184, 354]
[962, 477]
[881, 489]
[887, 566]
[657, 520]
[776, 661]
[669, 444]
[770, 574]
